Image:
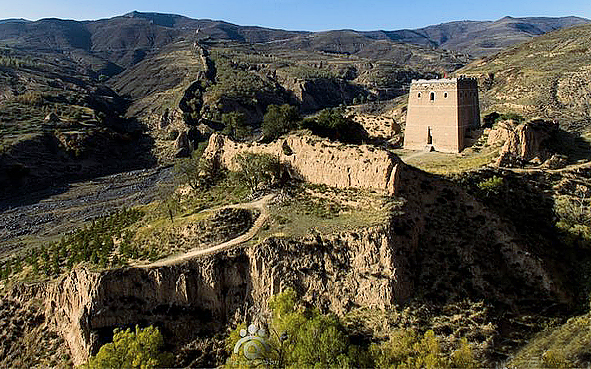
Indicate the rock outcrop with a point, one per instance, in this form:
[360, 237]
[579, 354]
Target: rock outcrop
[319, 161]
[182, 146]
[369, 267]
[522, 142]
[440, 245]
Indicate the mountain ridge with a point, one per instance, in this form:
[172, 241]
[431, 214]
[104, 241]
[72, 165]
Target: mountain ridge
[477, 38]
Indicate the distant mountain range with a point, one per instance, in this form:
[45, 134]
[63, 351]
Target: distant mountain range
[14, 20]
[480, 38]
[124, 39]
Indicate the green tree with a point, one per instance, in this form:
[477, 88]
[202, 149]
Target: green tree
[196, 171]
[139, 349]
[299, 338]
[235, 125]
[257, 169]
[332, 123]
[279, 119]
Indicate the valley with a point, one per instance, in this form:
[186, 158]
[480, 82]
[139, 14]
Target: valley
[187, 174]
[44, 216]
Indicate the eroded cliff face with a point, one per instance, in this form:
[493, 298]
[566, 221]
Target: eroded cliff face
[319, 161]
[522, 142]
[367, 267]
[319, 93]
[440, 246]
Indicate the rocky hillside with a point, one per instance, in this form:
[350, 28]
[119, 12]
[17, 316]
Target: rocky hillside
[58, 124]
[547, 77]
[175, 70]
[442, 244]
[481, 38]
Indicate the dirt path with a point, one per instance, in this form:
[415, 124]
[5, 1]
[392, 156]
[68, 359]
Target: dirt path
[415, 155]
[260, 204]
[561, 170]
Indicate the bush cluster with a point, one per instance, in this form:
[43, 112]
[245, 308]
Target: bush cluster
[142, 348]
[490, 119]
[330, 123]
[491, 186]
[94, 244]
[333, 124]
[301, 337]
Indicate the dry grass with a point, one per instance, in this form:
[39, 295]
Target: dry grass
[568, 344]
[442, 163]
[326, 210]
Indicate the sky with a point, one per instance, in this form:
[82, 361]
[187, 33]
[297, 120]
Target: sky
[309, 15]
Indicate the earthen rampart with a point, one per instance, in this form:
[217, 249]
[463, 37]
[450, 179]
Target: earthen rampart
[318, 161]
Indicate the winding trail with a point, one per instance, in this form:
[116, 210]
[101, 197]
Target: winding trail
[260, 204]
[561, 170]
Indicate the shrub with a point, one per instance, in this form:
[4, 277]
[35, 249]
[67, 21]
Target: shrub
[572, 211]
[279, 119]
[33, 98]
[491, 186]
[555, 359]
[139, 349]
[463, 356]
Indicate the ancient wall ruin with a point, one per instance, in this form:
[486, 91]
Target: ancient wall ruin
[440, 112]
[319, 161]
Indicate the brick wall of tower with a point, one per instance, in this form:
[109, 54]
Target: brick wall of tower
[443, 110]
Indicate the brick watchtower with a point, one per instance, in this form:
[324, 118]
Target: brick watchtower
[440, 111]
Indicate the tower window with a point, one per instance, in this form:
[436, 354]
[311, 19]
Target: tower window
[419, 95]
[445, 95]
[432, 96]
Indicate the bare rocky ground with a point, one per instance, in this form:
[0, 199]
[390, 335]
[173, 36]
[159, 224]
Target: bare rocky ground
[26, 340]
[45, 215]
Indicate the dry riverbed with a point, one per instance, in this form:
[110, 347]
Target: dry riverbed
[44, 216]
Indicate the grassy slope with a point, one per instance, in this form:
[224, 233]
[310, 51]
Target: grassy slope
[548, 76]
[35, 152]
[568, 345]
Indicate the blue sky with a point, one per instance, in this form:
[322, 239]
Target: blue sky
[312, 15]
